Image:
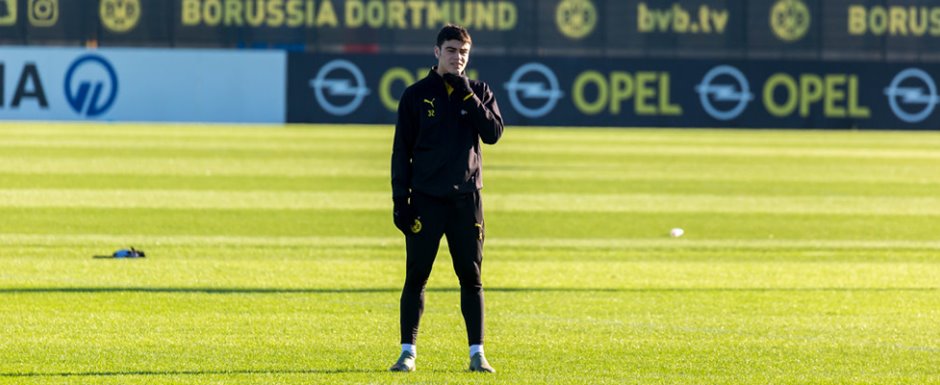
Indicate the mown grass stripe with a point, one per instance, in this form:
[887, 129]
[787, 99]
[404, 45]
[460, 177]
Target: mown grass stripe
[497, 168]
[12, 146]
[144, 131]
[726, 151]
[346, 200]
[380, 183]
[395, 290]
[204, 166]
[10, 239]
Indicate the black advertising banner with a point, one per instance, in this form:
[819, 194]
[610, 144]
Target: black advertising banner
[784, 28]
[350, 25]
[571, 26]
[899, 29]
[504, 24]
[290, 24]
[845, 31]
[368, 26]
[133, 22]
[911, 29]
[634, 92]
[851, 30]
[200, 23]
[709, 28]
[350, 88]
[69, 22]
[11, 30]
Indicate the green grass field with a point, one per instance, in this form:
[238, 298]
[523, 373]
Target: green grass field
[809, 258]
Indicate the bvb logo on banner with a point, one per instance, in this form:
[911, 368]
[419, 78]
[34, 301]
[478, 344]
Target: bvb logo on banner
[576, 18]
[120, 15]
[789, 19]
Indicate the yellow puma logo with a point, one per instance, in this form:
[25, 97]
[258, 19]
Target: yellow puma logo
[431, 111]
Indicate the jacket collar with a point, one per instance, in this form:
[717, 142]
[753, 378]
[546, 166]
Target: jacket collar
[439, 79]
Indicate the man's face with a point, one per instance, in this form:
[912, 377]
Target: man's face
[452, 56]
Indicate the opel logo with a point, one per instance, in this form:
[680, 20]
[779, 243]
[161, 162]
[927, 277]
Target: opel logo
[900, 95]
[326, 88]
[544, 90]
[724, 101]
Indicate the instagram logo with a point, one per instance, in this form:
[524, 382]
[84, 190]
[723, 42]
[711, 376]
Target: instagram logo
[43, 13]
[7, 12]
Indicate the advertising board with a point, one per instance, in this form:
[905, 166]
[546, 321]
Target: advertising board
[633, 92]
[142, 85]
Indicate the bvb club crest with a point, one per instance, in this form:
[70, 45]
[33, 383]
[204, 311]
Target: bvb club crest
[120, 15]
[789, 20]
[576, 18]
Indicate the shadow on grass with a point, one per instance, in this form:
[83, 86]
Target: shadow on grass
[189, 373]
[263, 290]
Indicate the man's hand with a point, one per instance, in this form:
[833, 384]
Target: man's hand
[404, 215]
[460, 83]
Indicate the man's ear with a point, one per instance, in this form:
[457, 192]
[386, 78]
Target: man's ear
[437, 52]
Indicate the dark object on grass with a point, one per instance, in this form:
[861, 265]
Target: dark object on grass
[125, 253]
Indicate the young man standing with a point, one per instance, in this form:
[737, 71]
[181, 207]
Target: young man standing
[436, 182]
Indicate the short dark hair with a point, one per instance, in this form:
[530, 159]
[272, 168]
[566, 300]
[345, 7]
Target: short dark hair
[453, 32]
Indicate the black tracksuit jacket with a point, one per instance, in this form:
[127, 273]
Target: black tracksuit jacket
[437, 138]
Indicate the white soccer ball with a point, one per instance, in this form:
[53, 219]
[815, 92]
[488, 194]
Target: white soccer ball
[676, 232]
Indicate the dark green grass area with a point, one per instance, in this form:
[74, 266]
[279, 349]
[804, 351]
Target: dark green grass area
[808, 258]
[195, 182]
[515, 185]
[542, 224]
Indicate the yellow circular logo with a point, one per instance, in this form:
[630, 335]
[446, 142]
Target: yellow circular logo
[789, 19]
[120, 15]
[416, 227]
[576, 18]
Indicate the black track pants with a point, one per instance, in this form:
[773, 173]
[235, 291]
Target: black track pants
[460, 218]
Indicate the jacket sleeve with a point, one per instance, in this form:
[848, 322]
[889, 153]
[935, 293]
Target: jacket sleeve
[403, 147]
[485, 115]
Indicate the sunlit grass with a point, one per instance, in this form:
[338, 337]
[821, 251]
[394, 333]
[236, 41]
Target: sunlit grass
[809, 257]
